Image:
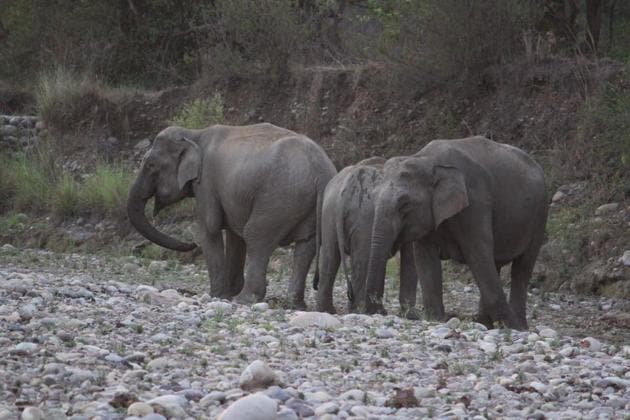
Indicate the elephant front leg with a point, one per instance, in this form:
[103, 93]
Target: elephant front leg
[429, 266]
[213, 250]
[303, 254]
[408, 283]
[255, 284]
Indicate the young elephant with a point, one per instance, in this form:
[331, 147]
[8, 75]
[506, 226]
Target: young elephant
[345, 227]
[259, 183]
[471, 200]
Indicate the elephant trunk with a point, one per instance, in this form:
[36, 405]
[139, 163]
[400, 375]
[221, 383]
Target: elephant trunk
[384, 232]
[135, 210]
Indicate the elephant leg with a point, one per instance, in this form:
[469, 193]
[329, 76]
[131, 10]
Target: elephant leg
[329, 260]
[429, 267]
[483, 316]
[477, 245]
[255, 283]
[303, 254]
[408, 283]
[522, 269]
[213, 250]
[235, 256]
[261, 238]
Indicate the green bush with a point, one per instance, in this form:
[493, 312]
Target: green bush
[435, 41]
[602, 146]
[200, 113]
[255, 38]
[62, 97]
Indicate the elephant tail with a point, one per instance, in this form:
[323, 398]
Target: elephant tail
[339, 228]
[318, 235]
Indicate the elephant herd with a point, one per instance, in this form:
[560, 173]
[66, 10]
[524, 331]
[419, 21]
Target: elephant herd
[260, 186]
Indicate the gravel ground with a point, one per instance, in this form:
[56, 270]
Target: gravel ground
[117, 337]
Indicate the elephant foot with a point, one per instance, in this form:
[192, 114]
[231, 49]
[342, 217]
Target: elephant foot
[484, 319]
[246, 298]
[298, 305]
[412, 313]
[326, 308]
[376, 309]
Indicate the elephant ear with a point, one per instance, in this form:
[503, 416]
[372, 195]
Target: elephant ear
[189, 166]
[450, 195]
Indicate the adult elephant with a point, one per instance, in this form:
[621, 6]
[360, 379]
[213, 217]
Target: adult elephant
[258, 183]
[345, 227]
[471, 200]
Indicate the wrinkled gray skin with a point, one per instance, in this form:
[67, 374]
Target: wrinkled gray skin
[259, 183]
[471, 200]
[345, 228]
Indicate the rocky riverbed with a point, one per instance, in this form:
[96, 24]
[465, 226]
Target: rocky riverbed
[115, 337]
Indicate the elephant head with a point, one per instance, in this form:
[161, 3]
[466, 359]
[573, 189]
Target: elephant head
[414, 198]
[167, 172]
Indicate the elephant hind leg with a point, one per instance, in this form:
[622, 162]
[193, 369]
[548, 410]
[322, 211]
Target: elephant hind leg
[329, 260]
[235, 251]
[303, 254]
[522, 268]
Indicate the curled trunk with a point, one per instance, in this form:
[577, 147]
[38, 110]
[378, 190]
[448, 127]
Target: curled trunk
[135, 210]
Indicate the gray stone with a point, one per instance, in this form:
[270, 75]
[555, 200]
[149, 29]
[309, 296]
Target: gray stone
[625, 258]
[260, 306]
[24, 349]
[213, 397]
[559, 195]
[300, 407]
[33, 413]
[591, 344]
[326, 408]
[321, 320]
[286, 413]
[257, 375]
[253, 407]
[27, 311]
[385, 333]
[139, 409]
[173, 405]
[606, 209]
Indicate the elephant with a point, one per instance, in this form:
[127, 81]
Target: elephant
[344, 227]
[260, 183]
[471, 200]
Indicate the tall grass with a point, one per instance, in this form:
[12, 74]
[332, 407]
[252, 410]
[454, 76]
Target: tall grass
[34, 184]
[26, 182]
[106, 190]
[59, 94]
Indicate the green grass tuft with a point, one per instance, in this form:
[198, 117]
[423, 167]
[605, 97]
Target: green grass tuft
[201, 113]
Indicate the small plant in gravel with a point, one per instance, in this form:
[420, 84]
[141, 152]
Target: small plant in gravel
[497, 355]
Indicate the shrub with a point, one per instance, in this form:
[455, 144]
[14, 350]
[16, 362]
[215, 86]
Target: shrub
[255, 38]
[602, 148]
[65, 99]
[200, 113]
[436, 41]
